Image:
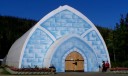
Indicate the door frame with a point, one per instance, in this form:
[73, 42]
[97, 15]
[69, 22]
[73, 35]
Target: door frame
[74, 63]
[76, 50]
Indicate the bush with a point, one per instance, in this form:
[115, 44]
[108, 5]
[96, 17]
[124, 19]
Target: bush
[125, 64]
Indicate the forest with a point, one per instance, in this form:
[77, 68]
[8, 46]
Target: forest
[116, 39]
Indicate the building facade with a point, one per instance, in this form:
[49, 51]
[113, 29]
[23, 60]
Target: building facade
[64, 38]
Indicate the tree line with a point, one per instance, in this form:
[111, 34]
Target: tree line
[11, 28]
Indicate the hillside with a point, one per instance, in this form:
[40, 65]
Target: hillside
[11, 28]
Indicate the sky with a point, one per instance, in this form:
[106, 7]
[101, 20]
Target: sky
[105, 13]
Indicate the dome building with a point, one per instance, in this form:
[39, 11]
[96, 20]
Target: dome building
[64, 38]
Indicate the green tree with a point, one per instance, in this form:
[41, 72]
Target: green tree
[120, 41]
[11, 28]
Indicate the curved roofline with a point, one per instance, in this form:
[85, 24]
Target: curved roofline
[66, 7]
[15, 52]
[52, 13]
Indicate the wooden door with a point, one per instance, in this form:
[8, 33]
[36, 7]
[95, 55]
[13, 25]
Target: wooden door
[74, 62]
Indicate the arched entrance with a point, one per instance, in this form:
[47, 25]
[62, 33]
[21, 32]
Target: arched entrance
[67, 47]
[74, 62]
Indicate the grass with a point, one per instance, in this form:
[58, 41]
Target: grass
[3, 71]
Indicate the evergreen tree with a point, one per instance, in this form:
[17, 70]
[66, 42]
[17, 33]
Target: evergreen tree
[11, 28]
[120, 41]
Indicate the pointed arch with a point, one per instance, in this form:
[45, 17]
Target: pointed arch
[63, 46]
